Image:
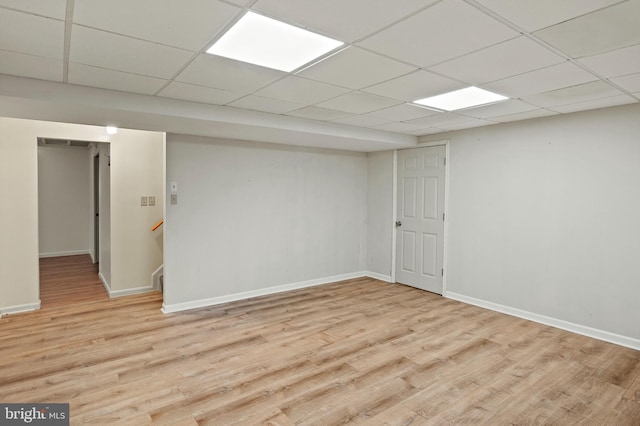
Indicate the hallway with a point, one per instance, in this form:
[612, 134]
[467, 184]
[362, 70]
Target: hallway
[69, 280]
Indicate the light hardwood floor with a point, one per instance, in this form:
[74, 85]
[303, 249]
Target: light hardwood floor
[359, 351]
[69, 280]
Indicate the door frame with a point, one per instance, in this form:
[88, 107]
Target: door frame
[96, 207]
[394, 254]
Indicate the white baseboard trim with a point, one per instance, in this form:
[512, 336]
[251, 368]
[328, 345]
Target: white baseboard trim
[105, 283]
[8, 310]
[202, 303]
[124, 292]
[377, 276]
[130, 291]
[64, 253]
[553, 322]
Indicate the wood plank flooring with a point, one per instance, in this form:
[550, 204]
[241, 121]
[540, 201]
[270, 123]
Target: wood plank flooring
[69, 280]
[358, 351]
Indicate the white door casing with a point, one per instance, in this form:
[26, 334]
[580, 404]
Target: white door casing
[420, 217]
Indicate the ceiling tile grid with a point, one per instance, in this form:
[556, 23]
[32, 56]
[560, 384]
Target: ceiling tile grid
[359, 102]
[549, 57]
[597, 32]
[515, 56]
[86, 75]
[258, 103]
[49, 8]
[444, 31]
[222, 73]
[30, 66]
[356, 68]
[187, 24]
[538, 14]
[30, 34]
[344, 20]
[191, 92]
[120, 53]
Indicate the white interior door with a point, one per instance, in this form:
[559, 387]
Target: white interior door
[420, 218]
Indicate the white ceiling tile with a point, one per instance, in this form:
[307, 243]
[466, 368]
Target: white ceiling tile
[501, 108]
[467, 124]
[428, 131]
[359, 102]
[30, 34]
[442, 32]
[403, 112]
[613, 64]
[595, 104]
[240, 2]
[301, 90]
[534, 15]
[318, 113]
[206, 95]
[365, 120]
[112, 51]
[51, 8]
[86, 75]
[402, 127]
[630, 82]
[345, 20]
[188, 24]
[597, 32]
[417, 85]
[30, 66]
[509, 58]
[259, 103]
[572, 95]
[222, 73]
[544, 80]
[346, 69]
[523, 115]
[438, 120]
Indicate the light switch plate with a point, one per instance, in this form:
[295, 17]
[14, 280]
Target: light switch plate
[143, 201]
[174, 198]
[152, 200]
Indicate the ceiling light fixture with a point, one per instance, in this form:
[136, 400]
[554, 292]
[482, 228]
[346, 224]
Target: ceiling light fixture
[461, 99]
[263, 41]
[112, 130]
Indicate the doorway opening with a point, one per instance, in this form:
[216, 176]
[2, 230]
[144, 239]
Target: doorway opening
[73, 215]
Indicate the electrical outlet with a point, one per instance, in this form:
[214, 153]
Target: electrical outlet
[143, 201]
[174, 198]
[152, 200]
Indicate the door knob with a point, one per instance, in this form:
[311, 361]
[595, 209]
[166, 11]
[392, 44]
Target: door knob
[398, 224]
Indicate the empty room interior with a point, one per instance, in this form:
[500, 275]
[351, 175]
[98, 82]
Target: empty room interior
[290, 212]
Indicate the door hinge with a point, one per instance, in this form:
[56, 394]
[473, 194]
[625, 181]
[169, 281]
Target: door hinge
[443, 272]
[445, 161]
[443, 216]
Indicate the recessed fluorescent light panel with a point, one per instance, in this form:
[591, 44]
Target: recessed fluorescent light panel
[460, 99]
[273, 44]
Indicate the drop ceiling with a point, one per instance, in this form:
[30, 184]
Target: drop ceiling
[549, 57]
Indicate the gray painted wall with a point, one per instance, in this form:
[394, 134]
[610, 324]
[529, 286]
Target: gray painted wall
[252, 216]
[380, 212]
[545, 217]
[64, 201]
